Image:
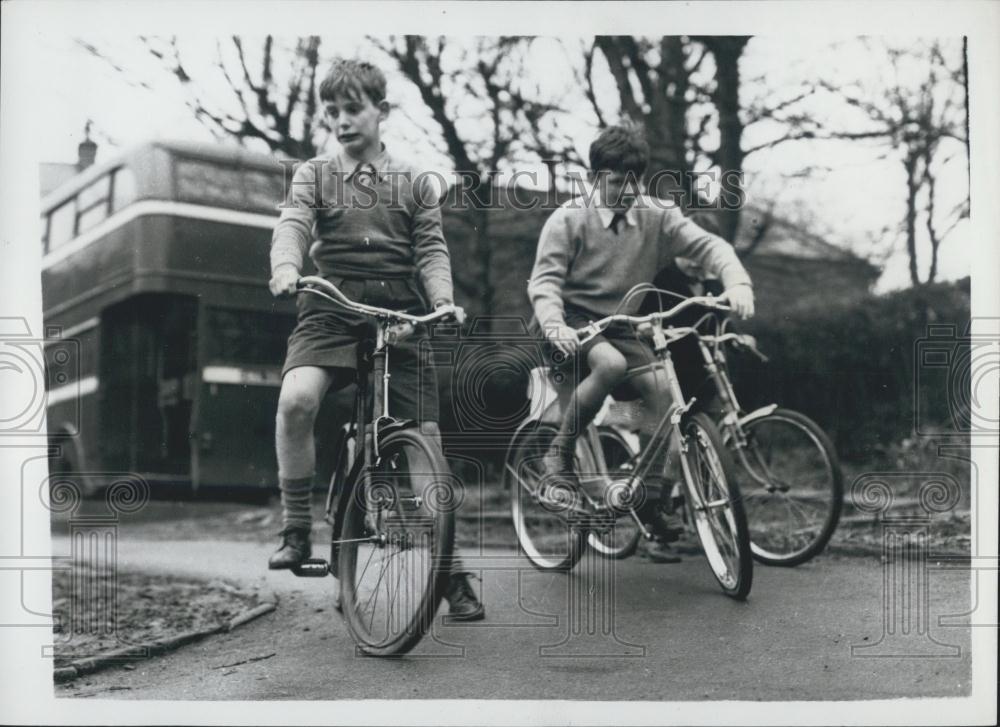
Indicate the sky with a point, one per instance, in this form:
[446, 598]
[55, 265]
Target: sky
[856, 202]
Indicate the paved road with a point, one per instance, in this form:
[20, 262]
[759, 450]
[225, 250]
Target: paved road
[671, 635]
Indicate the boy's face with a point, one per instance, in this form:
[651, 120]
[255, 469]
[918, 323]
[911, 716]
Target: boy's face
[355, 120]
[618, 189]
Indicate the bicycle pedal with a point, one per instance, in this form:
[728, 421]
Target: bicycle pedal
[312, 568]
[600, 520]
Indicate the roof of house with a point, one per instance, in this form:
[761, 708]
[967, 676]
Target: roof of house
[783, 237]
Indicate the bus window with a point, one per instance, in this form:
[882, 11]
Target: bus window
[246, 336]
[123, 190]
[264, 189]
[92, 204]
[96, 191]
[62, 224]
[208, 183]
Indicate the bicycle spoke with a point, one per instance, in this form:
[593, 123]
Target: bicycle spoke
[794, 505]
[543, 525]
[367, 562]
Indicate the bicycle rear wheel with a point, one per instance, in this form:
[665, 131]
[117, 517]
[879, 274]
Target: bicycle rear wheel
[396, 545]
[793, 487]
[715, 507]
[543, 530]
[622, 540]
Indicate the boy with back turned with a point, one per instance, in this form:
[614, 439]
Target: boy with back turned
[591, 252]
[371, 225]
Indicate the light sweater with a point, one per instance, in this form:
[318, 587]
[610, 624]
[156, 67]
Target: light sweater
[582, 261]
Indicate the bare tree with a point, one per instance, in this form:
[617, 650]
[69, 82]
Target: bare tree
[685, 100]
[485, 80]
[919, 120]
[271, 89]
[653, 82]
[275, 106]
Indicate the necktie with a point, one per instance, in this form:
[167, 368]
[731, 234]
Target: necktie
[618, 218]
[365, 170]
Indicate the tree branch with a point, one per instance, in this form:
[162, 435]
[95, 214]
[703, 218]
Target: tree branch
[613, 56]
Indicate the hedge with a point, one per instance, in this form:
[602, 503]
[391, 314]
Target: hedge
[849, 364]
[860, 367]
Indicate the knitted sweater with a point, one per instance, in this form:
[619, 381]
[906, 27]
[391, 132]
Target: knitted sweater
[581, 260]
[378, 220]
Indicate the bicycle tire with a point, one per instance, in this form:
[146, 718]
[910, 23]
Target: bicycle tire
[429, 511]
[555, 546]
[343, 463]
[617, 452]
[704, 457]
[829, 493]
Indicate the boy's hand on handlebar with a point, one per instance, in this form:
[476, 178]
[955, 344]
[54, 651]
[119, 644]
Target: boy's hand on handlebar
[563, 338]
[283, 281]
[457, 312]
[740, 300]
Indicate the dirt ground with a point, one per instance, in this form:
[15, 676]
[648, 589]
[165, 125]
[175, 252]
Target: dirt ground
[97, 612]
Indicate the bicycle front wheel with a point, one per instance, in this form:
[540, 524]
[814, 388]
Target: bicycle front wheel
[396, 545]
[793, 488]
[622, 540]
[543, 530]
[715, 507]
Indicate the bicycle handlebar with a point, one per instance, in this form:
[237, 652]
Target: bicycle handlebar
[708, 301]
[331, 292]
[743, 340]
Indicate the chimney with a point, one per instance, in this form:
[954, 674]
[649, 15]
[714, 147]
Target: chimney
[87, 151]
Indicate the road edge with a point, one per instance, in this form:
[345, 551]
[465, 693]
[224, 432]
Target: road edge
[159, 646]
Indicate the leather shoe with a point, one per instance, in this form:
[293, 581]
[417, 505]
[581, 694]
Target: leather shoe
[462, 602]
[659, 551]
[559, 480]
[295, 548]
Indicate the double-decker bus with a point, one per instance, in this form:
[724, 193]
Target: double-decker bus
[157, 264]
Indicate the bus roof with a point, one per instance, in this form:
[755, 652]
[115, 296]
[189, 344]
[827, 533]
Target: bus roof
[139, 155]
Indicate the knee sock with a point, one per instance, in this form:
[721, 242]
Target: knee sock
[296, 502]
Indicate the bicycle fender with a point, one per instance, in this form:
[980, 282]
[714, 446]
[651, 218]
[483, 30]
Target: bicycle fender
[758, 414]
[385, 430]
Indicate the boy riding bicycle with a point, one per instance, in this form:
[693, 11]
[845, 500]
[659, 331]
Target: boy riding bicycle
[591, 252]
[372, 226]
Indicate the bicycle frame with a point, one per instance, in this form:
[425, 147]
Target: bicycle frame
[391, 328]
[732, 423]
[666, 429]
[669, 425]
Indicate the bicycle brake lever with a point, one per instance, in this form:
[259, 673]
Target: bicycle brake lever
[750, 343]
[399, 332]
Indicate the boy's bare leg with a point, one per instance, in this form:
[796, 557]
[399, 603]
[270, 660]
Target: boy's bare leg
[654, 388]
[302, 391]
[462, 602]
[607, 369]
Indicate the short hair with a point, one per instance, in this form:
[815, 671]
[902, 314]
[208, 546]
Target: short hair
[352, 78]
[621, 148]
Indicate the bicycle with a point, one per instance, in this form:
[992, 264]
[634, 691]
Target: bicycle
[791, 480]
[553, 525]
[789, 474]
[390, 503]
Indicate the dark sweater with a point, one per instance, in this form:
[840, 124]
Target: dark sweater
[378, 220]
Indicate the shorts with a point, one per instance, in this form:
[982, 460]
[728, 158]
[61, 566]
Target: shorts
[329, 336]
[638, 352]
